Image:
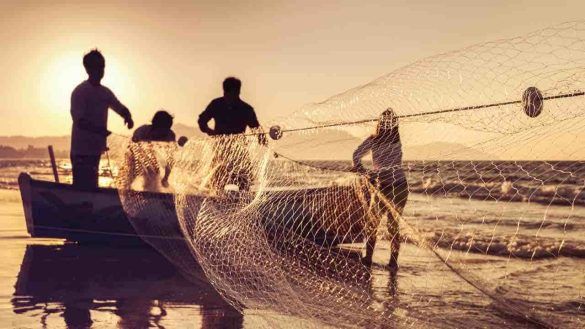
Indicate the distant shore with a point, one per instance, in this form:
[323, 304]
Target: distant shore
[31, 152]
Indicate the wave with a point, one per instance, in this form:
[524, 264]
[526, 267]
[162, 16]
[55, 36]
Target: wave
[517, 246]
[564, 195]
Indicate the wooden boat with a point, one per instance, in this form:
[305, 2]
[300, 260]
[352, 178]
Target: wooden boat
[57, 210]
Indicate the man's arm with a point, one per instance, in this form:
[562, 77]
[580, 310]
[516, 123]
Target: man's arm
[252, 119]
[121, 110]
[77, 106]
[204, 119]
[255, 126]
[171, 160]
[360, 152]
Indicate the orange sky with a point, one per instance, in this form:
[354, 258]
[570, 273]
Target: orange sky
[175, 55]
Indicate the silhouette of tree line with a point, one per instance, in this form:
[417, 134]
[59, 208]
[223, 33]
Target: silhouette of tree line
[31, 152]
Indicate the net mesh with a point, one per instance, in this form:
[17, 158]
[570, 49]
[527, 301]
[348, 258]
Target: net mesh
[471, 207]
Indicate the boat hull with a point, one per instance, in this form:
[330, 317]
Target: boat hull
[54, 210]
[96, 216]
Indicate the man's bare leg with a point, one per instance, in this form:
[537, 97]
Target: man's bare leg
[394, 234]
[394, 251]
[370, 245]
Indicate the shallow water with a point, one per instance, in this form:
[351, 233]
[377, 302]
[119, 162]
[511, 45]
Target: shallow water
[46, 283]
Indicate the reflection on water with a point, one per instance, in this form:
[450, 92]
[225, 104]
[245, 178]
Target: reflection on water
[75, 286]
[72, 286]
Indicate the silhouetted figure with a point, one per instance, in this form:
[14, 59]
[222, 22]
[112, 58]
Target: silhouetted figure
[89, 110]
[387, 176]
[232, 116]
[159, 131]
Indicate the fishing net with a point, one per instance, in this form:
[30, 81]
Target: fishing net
[474, 199]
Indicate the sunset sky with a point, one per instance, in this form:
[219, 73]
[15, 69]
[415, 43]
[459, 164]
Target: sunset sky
[174, 55]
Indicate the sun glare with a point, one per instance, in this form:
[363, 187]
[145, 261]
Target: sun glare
[63, 73]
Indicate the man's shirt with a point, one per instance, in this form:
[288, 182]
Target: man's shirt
[229, 118]
[89, 106]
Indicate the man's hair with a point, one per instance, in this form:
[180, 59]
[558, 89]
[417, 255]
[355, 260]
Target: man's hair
[94, 59]
[387, 128]
[162, 119]
[231, 84]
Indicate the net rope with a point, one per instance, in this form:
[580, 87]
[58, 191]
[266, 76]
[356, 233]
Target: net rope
[477, 179]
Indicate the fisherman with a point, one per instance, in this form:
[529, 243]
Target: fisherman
[159, 131]
[89, 110]
[232, 116]
[387, 176]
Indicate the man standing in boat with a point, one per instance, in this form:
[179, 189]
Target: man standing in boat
[90, 102]
[232, 116]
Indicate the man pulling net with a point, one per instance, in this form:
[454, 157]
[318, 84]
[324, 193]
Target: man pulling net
[90, 102]
[231, 162]
[388, 177]
[151, 155]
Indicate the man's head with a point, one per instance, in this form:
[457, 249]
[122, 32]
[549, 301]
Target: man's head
[162, 120]
[94, 63]
[387, 123]
[232, 87]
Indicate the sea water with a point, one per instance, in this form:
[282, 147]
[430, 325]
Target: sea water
[49, 283]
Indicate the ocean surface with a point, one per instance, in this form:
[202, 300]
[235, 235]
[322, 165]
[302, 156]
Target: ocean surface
[476, 213]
